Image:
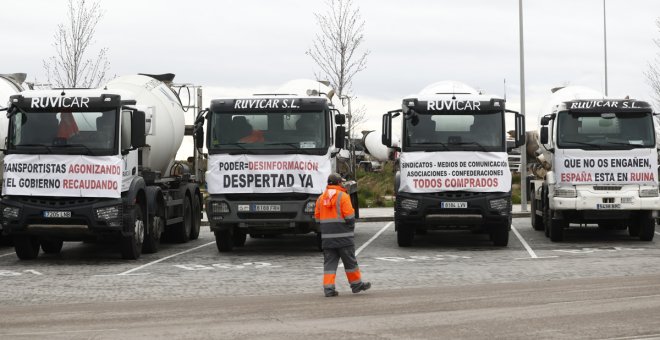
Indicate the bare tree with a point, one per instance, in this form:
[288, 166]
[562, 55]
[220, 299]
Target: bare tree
[70, 66]
[653, 72]
[337, 52]
[335, 49]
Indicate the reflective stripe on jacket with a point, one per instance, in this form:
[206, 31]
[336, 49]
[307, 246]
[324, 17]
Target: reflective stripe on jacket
[337, 218]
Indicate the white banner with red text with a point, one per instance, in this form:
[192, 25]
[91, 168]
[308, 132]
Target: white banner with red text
[455, 171]
[636, 166]
[229, 174]
[62, 175]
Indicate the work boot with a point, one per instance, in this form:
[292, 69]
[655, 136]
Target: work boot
[364, 286]
[331, 293]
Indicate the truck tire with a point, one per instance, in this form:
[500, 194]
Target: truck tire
[239, 238]
[557, 230]
[537, 221]
[633, 228]
[196, 218]
[499, 234]
[356, 205]
[405, 234]
[152, 238]
[646, 226]
[131, 246]
[224, 240]
[547, 219]
[181, 231]
[26, 247]
[51, 246]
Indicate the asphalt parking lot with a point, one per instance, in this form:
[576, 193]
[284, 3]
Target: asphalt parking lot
[291, 265]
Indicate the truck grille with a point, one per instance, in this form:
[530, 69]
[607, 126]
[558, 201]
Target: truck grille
[268, 197]
[56, 202]
[608, 187]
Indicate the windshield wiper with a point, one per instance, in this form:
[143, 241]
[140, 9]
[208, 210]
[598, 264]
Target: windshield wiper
[35, 145]
[430, 143]
[295, 146]
[89, 151]
[240, 145]
[483, 148]
[632, 146]
[593, 145]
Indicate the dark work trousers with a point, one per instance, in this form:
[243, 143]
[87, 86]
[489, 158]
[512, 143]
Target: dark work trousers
[331, 258]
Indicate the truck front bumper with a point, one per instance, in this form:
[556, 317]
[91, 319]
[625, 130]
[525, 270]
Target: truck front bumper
[427, 210]
[605, 201]
[88, 216]
[279, 216]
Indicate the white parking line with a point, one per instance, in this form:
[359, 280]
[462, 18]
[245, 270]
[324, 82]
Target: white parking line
[524, 243]
[163, 259]
[357, 252]
[3, 255]
[657, 233]
[60, 332]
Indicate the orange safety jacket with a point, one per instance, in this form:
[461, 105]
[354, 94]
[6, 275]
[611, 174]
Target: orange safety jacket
[336, 216]
[256, 136]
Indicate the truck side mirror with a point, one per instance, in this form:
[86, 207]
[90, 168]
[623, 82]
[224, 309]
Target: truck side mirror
[138, 133]
[544, 135]
[340, 119]
[199, 137]
[386, 137]
[520, 130]
[340, 136]
[545, 120]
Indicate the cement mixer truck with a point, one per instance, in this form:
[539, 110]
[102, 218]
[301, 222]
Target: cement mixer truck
[269, 159]
[10, 84]
[98, 163]
[454, 171]
[596, 163]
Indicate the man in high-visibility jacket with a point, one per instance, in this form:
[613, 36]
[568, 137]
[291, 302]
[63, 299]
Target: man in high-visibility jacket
[336, 216]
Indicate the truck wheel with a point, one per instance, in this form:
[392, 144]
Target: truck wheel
[405, 234]
[537, 221]
[499, 234]
[239, 238]
[51, 246]
[557, 230]
[26, 247]
[319, 242]
[152, 238]
[183, 230]
[633, 228]
[356, 205]
[547, 220]
[196, 218]
[224, 240]
[131, 246]
[646, 226]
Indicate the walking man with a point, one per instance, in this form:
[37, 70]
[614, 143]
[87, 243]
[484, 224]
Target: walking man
[337, 218]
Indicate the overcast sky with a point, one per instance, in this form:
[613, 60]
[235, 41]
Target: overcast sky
[245, 46]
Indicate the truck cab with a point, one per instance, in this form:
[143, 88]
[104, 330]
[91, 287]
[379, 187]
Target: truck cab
[454, 172]
[269, 160]
[602, 158]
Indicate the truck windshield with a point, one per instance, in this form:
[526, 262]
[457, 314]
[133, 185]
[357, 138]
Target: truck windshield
[258, 131]
[63, 132]
[464, 132]
[605, 131]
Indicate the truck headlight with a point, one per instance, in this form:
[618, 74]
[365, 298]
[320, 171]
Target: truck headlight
[499, 204]
[219, 208]
[409, 204]
[648, 192]
[108, 213]
[11, 212]
[566, 192]
[309, 207]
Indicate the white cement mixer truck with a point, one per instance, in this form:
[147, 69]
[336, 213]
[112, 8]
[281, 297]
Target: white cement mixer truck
[454, 171]
[269, 159]
[83, 163]
[597, 163]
